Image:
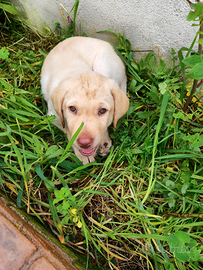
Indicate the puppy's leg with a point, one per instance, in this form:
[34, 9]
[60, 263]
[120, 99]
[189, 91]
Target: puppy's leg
[105, 144]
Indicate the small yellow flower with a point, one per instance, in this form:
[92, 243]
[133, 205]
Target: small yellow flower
[79, 224]
[74, 211]
[75, 219]
[188, 89]
[194, 99]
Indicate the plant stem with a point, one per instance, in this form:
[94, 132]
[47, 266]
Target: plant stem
[194, 86]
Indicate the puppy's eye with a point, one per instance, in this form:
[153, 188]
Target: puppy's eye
[102, 111]
[72, 109]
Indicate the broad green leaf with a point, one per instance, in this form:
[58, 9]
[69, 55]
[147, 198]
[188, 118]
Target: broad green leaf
[172, 200]
[173, 242]
[154, 96]
[9, 8]
[135, 65]
[183, 246]
[4, 139]
[133, 85]
[144, 115]
[196, 72]
[163, 87]
[191, 61]
[184, 189]
[136, 151]
[65, 205]
[170, 267]
[186, 177]
[181, 254]
[198, 10]
[191, 16]
[65, 220]
[180, 115]
[194, 253]
[61, 194]
[170, 184]
[4, 54]
[152, 63]
[137, 88]
[200, 41]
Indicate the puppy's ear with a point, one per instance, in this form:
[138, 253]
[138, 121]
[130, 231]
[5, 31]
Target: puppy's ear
[58, 97]
[121, 103]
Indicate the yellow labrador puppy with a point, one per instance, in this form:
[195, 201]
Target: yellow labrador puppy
[83, 80]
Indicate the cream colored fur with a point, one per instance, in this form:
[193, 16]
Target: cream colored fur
[83, 80]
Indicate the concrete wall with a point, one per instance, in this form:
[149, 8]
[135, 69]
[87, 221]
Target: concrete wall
[144, 23]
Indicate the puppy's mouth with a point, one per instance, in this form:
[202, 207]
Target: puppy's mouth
[88, 152]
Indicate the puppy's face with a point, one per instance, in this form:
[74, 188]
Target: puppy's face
[88, 98]
[92, 103]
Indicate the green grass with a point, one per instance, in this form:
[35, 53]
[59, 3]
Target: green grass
[138, 208]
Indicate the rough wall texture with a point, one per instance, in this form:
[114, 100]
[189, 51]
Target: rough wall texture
[144, 23]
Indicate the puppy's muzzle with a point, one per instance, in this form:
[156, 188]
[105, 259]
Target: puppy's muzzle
[85, 143]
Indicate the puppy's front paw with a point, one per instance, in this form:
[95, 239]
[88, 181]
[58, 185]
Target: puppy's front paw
[105, 147]
[85, 159]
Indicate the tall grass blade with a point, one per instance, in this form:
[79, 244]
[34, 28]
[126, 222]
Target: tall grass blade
[50, 185]
[70, 143]
[161, 117]
[20, 193]
[55, 214]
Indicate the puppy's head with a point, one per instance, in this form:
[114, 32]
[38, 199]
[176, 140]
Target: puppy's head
[92, 99]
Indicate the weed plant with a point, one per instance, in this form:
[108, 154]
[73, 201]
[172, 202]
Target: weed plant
[138, 208]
